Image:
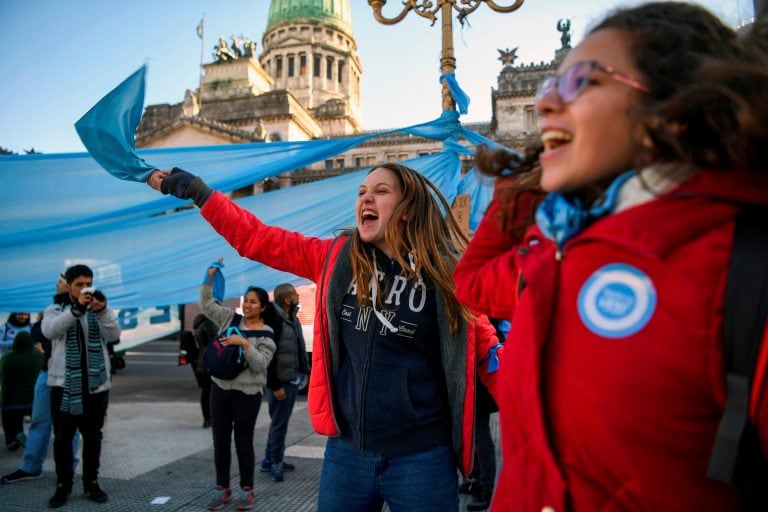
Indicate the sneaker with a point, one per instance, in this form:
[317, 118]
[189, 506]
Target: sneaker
[221, 496]
[246, 499]
[266, 466]
[60, 497]
[94, 493]
[13, 446]
[277, 471]
[19, 476]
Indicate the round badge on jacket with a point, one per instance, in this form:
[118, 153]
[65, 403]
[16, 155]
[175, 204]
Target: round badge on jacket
[617, 301]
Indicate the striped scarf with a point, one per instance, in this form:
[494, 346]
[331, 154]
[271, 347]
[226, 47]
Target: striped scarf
[72, 398]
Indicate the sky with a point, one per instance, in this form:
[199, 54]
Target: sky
[60, 57]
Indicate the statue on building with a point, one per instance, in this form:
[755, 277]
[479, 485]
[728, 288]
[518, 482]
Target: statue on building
[260, 131]
[222, 53]
[508, 57]
[236, 46]
[190, 107]
[564, 26]
[249, 48]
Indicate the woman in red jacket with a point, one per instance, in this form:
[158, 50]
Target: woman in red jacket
[612, 383]
[393, 364]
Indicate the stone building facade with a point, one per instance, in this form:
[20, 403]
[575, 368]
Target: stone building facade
[305, 84]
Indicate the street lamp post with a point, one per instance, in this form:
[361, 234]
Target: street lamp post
[429, 9]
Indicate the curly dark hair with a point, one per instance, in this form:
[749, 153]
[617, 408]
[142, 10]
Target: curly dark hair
[708, 97]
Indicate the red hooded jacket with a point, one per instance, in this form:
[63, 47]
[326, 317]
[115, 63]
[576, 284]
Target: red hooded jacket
[611, 383]
[323, 261]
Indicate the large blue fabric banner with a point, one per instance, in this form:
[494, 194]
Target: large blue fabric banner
[149, 250]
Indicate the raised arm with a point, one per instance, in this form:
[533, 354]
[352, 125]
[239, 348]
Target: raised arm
[273, 246]
[486, 275]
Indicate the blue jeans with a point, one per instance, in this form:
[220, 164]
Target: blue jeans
[39, 433]
[357, 481]
[280, 412]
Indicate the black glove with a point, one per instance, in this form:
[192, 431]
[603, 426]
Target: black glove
[177, 183]
[78, 309]
[185, 185]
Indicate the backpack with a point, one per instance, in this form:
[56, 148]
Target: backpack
[225, 362]
[736, 455]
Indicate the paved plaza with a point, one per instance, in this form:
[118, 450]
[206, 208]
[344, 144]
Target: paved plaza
[158, 452]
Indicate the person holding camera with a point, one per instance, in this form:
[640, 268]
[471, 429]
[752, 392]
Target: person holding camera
[79, 323]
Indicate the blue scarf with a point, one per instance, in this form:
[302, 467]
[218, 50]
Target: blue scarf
[218, 284]
[561, 217]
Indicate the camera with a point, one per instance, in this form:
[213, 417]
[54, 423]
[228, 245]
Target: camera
[97, 294]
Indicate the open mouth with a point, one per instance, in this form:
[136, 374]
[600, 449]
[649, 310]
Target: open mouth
[553, 139]
[368, 217]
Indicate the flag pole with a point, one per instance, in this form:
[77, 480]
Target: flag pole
[201, 35]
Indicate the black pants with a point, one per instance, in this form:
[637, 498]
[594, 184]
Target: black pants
[485, 451]
[65, 426]
[204, 381]
[232, 409]
[13, 422]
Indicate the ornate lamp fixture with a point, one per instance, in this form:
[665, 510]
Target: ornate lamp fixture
[429, 9]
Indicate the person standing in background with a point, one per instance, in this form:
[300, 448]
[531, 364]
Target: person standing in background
[235, 402]
[16, 323]
[79, 324]
[286, 372]
[204, 332]
[19, 368]
[39, 432]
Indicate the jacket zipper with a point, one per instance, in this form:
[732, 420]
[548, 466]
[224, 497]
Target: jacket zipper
[364, 387]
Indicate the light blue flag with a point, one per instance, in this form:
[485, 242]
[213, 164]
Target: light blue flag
[107, 130]
[459, 96]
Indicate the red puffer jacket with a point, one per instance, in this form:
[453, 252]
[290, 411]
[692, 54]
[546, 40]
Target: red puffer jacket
[320, 261]
[611, 383]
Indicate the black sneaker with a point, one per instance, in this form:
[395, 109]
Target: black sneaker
[94, 493]
[60, 497]
[19, 476]
[277, 471]
[288, 467]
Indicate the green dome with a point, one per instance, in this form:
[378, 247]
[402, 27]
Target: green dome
[331, 12]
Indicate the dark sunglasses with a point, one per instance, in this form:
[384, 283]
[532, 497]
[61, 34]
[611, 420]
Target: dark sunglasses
[572, 82]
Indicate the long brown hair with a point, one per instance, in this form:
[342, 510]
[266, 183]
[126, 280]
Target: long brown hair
[435, 240]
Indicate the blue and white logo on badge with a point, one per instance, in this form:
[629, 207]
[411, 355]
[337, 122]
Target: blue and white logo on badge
[617, 301]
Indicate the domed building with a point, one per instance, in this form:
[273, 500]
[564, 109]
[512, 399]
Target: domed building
[305, 84]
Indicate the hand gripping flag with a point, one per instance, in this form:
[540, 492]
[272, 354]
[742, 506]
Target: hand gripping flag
[107, 130]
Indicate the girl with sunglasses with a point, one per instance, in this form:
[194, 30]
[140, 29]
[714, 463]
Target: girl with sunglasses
[608, 246]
